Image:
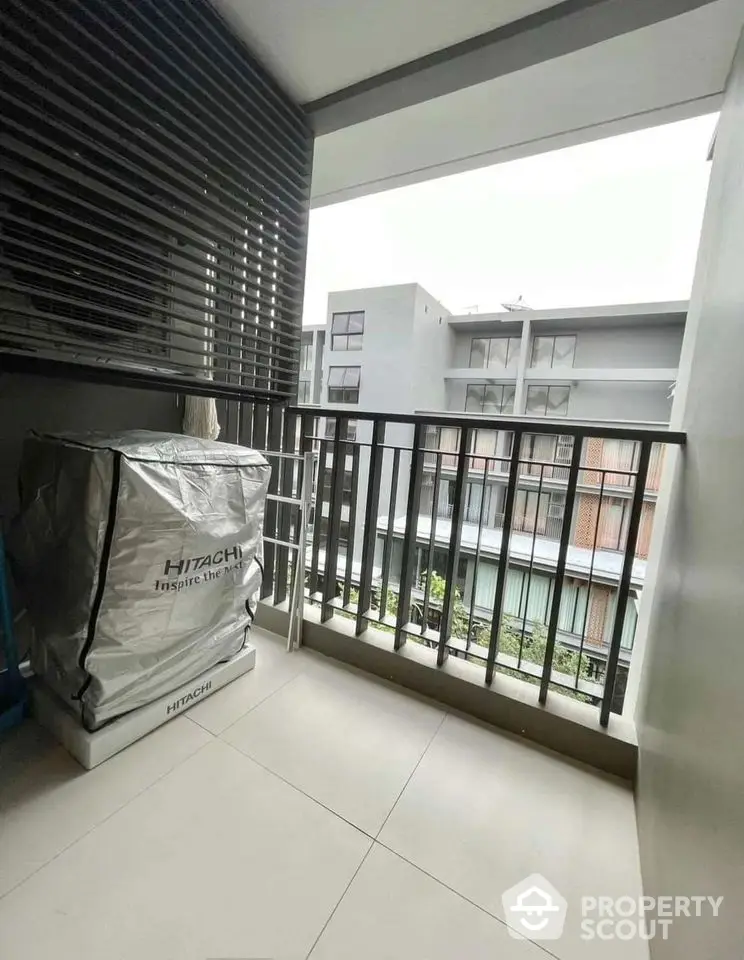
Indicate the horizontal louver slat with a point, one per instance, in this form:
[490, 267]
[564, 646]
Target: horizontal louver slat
[154, 187]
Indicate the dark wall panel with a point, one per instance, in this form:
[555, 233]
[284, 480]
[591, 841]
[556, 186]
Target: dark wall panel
[154, 185]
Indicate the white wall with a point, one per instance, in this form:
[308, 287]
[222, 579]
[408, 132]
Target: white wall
[628, 347]
[387, 381]
[690, 792]
[612, 400]
[433, 345]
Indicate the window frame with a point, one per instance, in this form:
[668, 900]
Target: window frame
[343, 337]
[547, 387]
[348, 391]
[513, 350]
[307, 385]
[544, 338]
[483, 388]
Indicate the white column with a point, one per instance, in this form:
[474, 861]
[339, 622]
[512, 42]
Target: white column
[520, 393]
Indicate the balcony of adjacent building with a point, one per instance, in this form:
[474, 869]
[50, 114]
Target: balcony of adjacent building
[617, 362]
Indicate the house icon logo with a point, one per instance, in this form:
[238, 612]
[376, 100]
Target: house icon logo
[534, 910]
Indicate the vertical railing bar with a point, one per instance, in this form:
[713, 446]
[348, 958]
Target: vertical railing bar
[349, 571]
[301, 524]
[369, 538]
[287, 468]
[334, 517]
[530, 568]
[388, 542]
[432, 541]
[625, 579]
[258, 426]
[498, 599]
[297, 595]
[589, 582]
[477, 557]
[318, 516]
[453, 555]
[273, 442]
[408, 558]
[560, 570]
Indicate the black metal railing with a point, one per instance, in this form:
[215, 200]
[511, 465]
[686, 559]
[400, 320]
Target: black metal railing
[491, 565]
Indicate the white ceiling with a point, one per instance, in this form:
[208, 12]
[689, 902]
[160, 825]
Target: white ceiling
[670, 70]
[314, 47]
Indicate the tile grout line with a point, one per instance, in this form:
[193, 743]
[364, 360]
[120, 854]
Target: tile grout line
[340, 899]
[113, 813]
[445, 714]
[461, 895]
[243, 715]
[308, 796]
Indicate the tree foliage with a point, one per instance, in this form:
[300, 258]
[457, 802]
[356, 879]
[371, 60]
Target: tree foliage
[526, 643]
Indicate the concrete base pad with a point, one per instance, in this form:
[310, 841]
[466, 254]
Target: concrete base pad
[90, 749]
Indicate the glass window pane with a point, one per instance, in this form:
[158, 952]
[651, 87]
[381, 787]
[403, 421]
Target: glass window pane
[336, 376]
[356, 322]
[340, 323]
[351, 376]
[542, 351]
[515, 350]
[484, 442]
[303, 393]
[339, 342]
[537, 400]
[478, 353]
[449, 439]
[563, 352]
[474, 398]
[354, 341]
[507, 403]
[498, 352]
[492, 398]
[558, 401]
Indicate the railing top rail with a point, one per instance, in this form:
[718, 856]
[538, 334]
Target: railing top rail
[518, 425]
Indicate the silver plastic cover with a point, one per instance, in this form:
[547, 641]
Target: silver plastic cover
[138, 557]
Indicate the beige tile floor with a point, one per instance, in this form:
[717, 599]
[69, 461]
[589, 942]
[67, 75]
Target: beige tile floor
[304, 811]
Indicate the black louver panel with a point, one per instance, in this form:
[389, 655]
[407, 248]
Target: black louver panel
[154, 187]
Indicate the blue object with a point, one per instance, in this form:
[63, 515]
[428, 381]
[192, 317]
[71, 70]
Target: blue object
[13, 694]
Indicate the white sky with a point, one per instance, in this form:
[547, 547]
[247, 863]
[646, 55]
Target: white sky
[616, 221]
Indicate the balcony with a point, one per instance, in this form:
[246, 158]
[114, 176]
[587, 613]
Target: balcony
[307, 810]
[520, 588]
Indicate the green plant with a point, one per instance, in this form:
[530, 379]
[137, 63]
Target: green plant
[525, 646]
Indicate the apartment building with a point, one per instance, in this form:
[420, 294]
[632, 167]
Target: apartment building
[398, 350]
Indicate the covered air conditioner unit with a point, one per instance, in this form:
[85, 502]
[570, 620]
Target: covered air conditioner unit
[138, 556]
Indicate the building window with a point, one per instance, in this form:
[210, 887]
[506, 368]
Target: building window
[495, 352]
[553, 351]
[621, 455]
[541, 450]
[303, 391]
[343, 384]
[542, 515]
[544, 401]
[614, 515]
[494, 398]
[574, 611]
[330, 429]
[347, 330]
[441, 443]
[306, 356]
